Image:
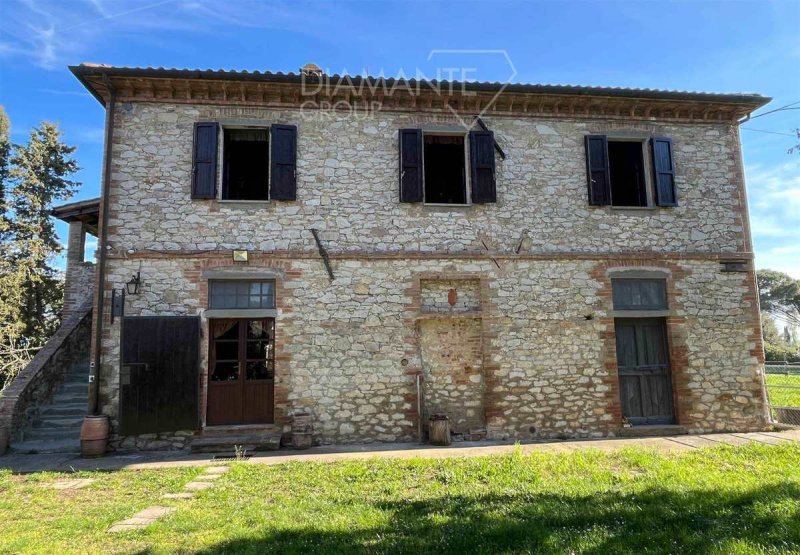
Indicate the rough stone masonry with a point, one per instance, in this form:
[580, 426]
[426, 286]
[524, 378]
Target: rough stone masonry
[527, 350]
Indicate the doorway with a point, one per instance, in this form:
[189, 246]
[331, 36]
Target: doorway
[645, 381]
[241, 377]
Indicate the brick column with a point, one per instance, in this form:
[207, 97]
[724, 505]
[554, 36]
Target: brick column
[72, 278]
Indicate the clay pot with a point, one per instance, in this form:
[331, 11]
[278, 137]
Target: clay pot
[94, 436]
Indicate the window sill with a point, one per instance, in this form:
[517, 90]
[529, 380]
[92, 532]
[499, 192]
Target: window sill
[447, 206]
[240, 313]
[243, 204]
[658, 313]
[634, 208]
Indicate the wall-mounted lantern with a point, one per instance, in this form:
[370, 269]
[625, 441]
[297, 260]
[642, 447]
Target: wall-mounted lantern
[132, 287]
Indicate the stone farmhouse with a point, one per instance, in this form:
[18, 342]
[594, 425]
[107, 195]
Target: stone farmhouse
[531, 261]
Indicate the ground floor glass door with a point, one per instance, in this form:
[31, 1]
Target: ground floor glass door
[645, 382]
[241, 377]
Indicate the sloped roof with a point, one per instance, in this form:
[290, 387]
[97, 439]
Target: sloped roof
[85, 70]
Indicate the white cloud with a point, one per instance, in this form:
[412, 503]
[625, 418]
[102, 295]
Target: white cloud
[51, 34]
[774, 194]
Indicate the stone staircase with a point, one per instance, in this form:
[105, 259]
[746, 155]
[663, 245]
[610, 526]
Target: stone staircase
[57, 426]
[225, 439]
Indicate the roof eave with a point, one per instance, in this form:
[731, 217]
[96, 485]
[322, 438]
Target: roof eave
[749, 101]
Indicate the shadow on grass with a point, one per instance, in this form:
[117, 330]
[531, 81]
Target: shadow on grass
[653, 521]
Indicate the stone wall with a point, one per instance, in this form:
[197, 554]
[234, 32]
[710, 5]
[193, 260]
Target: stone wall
[347, 174]
[348, 351]
[530, 271]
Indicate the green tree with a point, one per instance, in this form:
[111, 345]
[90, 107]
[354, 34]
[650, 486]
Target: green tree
[769, 331]
[779, 295]
[5, 166]
[40, 173]
[31, 289]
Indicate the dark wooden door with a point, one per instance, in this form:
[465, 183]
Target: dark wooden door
[241, 381]
[158, 376]
[644, 375]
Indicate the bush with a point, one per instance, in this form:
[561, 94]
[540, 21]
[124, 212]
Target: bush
[780, 353]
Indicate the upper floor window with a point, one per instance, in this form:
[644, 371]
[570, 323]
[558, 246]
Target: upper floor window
[230, 294]
[434, 169]
[639, 293]
[618, 173]
[444, 161]
[628, 178]
[257, 163]
[245, 166]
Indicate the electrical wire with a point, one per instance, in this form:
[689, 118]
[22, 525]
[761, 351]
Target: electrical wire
[787, 107]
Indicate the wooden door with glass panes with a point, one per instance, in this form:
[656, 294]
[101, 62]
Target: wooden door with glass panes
[241, 378]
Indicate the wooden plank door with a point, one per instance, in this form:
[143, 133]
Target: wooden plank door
[159, 374]
[644, 372]
[241, 377]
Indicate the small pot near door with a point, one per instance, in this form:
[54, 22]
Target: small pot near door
[94, 436]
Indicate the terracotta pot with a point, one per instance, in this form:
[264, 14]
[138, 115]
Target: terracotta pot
[94, 436]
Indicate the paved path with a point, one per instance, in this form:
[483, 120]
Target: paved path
[148, 516]
[68, 463]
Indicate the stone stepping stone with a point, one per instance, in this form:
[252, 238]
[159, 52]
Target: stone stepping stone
[197, 486]
[182, 495]
[72, 484]
[217, 469]
[141, 519]
[209, 477]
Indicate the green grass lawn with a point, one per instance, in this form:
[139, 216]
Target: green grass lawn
[784, 390]
[722, 500]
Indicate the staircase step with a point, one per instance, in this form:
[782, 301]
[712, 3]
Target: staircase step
[52, 433]
[218, 443]
[654, 430]
[68, 445]
[65, 409]
[76, 388]
[240, 430]
[60, 422]
[68, 399]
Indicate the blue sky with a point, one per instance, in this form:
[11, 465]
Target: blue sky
[732, 46]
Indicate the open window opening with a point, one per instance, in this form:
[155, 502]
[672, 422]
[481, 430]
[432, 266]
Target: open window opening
[445, 169]
[628, 178]
[245, 172]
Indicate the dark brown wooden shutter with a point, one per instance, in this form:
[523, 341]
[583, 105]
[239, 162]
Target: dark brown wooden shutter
[482, 168]
[204, 160]
[597, 170]
[664, 171]
[159, 374]
[283, 162]
[410, 165]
